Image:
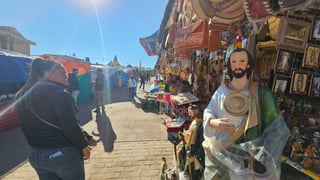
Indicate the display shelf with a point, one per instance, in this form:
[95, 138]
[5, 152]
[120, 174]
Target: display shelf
[300, 168]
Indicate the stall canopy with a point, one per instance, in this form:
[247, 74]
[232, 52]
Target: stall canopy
[83, 73]
[69, 63]
[150, 44]
[235, 11]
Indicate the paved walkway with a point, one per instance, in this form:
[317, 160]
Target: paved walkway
[136, 153]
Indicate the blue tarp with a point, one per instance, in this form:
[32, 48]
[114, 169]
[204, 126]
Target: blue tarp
[14, 69]
[124, 77]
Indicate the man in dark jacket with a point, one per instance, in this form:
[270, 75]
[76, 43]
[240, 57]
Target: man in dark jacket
[142, 81]
[99, 90]
[74, 84]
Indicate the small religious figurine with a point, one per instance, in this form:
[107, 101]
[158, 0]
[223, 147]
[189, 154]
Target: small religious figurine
[194, 137]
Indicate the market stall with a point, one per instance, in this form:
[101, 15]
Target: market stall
[284, 38]
[14, 70]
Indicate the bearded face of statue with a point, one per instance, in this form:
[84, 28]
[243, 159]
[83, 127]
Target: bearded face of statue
[239, 73]
[240, 63]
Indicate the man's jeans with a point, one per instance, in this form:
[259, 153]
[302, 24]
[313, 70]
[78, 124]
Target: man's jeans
[99, 99]
[132, 92]
[142, 85]
[75, 95]
[66, 164]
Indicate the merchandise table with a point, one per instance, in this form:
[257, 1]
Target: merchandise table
[299, 167]
[163, 98]
[150, 101]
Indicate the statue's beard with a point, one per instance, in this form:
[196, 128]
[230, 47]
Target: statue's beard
[239, 74]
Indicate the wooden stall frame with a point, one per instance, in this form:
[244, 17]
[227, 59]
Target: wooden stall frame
[266, 60]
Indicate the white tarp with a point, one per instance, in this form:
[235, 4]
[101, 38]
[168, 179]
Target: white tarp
[107, 71]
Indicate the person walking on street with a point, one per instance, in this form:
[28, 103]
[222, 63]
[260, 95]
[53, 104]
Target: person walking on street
[142, 81]
[164, 167]
[148, 77]
[132, 86]
[244, 130]
[74, 84]
[57, 144]
[99, 90]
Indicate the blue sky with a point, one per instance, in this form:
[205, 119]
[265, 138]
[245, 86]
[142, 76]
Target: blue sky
[99, 29]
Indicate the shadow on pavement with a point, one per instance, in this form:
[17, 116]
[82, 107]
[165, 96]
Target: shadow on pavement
[13, 151]
[105, 132]
[112, 96]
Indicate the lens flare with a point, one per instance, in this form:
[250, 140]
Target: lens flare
[90, 4]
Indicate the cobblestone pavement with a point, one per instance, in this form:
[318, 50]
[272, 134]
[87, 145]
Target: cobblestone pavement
[136, 154]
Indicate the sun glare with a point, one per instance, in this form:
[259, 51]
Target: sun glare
[89, 4]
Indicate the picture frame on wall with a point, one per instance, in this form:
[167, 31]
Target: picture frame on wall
[315, 31]
[314, 89]
[293, 34]
[311, 57]
[279, 84]
[298, 83]
[279, 87]
[266, 58]
[284, 61]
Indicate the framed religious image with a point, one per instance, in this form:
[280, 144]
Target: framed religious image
[293, 34]
[279, 84]
[315, 31]
[284, 61]
[314, 89]
[311, 56]
[279, 87]
[298, 83]
[266, 58]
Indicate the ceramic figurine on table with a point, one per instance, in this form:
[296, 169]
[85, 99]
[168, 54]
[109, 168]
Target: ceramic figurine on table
[310, 153]
[194, 137]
